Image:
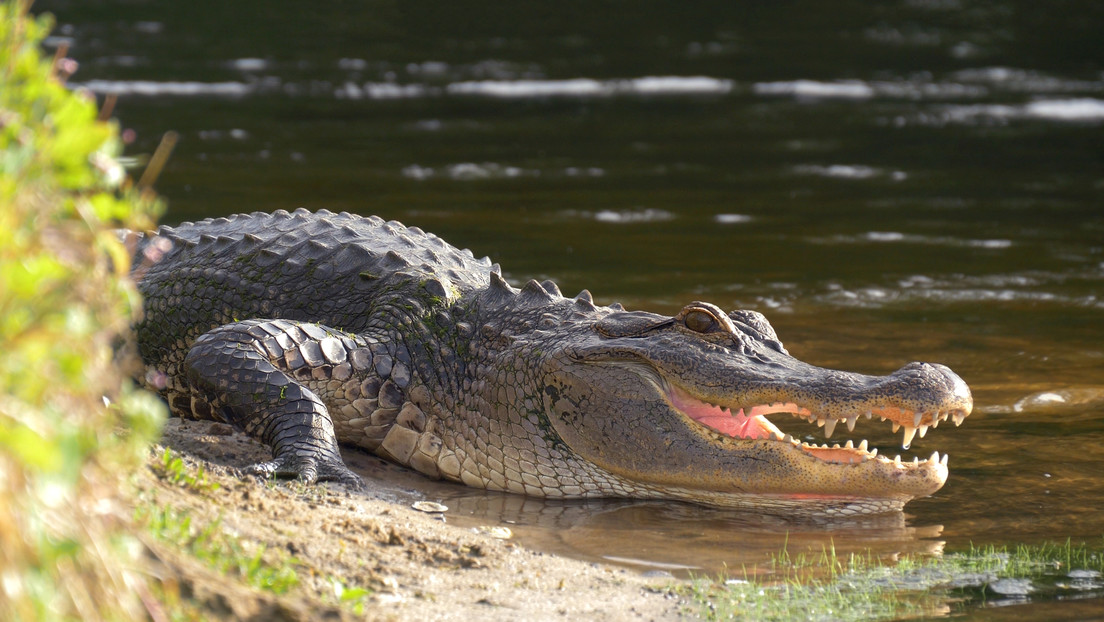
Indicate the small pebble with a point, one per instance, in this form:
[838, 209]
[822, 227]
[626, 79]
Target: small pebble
[429, 506]
[1084, 574]
[502, 533]
[1011, 587]
[657, 574]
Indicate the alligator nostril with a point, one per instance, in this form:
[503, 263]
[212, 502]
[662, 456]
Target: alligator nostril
[959, 388]
[915, 365]
[942, 375]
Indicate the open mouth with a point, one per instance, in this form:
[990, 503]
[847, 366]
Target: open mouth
[750, 422]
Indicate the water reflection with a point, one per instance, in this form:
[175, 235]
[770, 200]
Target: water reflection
[674, 537]
[1066, 609]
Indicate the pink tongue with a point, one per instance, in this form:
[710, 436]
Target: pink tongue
[737, 426]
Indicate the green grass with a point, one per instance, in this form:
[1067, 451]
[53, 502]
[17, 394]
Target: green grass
[172, 469]
[1027, 560]
[804, 587]
[827, 587]
[248, 563]
[353, 598]
[222, 552]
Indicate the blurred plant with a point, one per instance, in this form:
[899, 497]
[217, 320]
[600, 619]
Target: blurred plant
[71, 426]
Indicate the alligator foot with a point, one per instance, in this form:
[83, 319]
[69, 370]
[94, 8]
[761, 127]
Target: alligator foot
[229, 371]
[307, 469]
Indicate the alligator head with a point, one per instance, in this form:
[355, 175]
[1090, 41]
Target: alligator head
[678, 407]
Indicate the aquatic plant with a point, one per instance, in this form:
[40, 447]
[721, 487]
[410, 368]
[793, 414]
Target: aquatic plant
[864, 587]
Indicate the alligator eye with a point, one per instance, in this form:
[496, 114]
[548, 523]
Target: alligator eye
[700, 321]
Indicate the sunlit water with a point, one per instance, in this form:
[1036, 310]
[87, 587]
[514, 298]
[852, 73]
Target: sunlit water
[920, 180]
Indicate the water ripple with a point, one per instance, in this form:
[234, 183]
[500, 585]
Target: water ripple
[469, 171]
[151, 88]
[1084, 109]
[911, 238]
[585, 87]
[848, 171]
[629, 216]
[812, 89]
[1059, 99]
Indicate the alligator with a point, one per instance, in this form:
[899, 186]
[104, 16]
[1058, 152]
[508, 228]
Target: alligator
[306, 330]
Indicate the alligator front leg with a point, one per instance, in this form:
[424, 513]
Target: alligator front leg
[233, 379]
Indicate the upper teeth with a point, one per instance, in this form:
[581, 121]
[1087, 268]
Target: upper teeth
[910, 431]
[829, 425]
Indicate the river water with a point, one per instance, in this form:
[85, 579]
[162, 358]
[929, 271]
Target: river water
[887, 181]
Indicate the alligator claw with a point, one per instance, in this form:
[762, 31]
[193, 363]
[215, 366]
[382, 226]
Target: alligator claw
[308, 470]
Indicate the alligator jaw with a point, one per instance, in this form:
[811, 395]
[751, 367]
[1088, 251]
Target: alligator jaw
[750, 423]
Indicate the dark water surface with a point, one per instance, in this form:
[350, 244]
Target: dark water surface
[888, 182]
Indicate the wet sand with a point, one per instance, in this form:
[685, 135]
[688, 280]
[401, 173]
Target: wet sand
[417, 565]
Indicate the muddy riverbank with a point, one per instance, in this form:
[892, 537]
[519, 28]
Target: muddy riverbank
[414, 564]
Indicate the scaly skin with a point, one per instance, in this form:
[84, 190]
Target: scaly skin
[309, 330]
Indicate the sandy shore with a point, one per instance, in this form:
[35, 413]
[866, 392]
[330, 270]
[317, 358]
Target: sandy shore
[416, 565]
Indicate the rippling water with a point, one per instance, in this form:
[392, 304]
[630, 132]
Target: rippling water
[921, 180]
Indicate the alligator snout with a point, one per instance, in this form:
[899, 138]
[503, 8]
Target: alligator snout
[957, 386]
[916, 379]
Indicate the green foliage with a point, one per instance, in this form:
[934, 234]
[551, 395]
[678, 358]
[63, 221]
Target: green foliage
[820, 587]
[223, 552]
[220, 549]
[65, 304]
[827, 587]
[172, 468]
[1027, 561]
[350, 597]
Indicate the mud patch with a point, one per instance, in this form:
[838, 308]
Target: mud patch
[416, 565]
